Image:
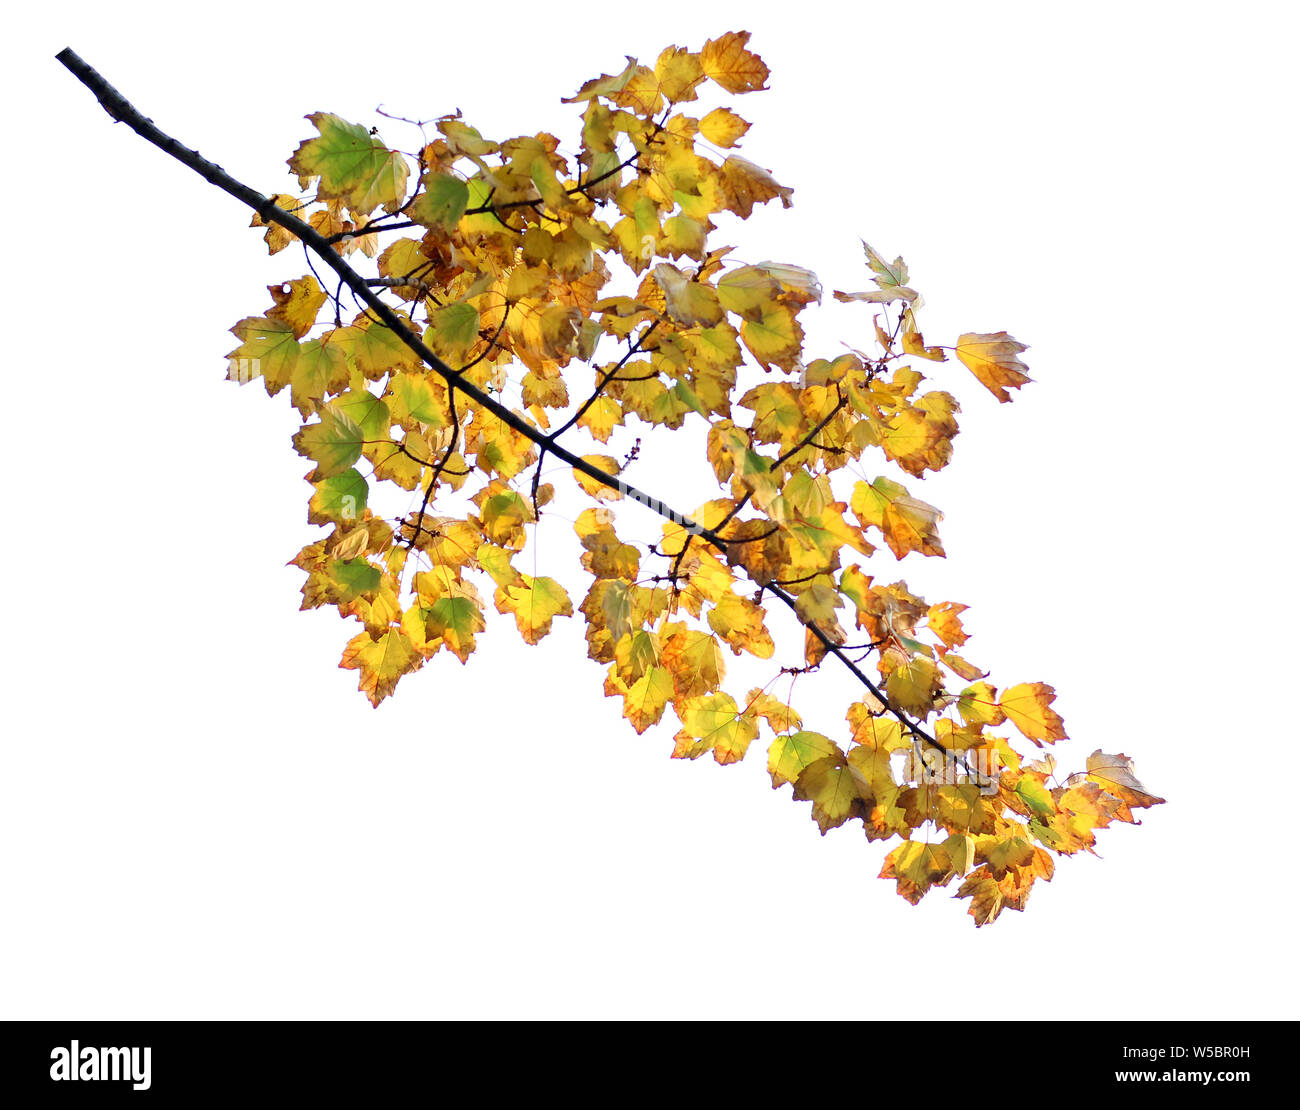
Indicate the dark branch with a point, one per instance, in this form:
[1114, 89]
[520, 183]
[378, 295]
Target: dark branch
[120, 109]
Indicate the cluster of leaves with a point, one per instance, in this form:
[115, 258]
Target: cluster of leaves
[520, 259]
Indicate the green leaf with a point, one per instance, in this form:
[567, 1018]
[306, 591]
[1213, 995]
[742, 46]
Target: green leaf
[452, 329]
[353, 166]
[341, 499]
[366, 411]
[334, 444]
[790, 754]
[442, 203]
[355, 576]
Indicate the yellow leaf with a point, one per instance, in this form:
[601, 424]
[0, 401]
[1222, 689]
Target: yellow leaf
[1114, 774]
[908, 524]
[978, 705]
[944, 621]
[535, 602]
[791, 753]
[604, 85]
[694, 661]
[688, 302]
[713, 723]
[268, 350]
[723, 127]
[913, 685]
[606, 556]
[296, 303]
[645, 699]
[832, 788]
[601, 417]
[776, 338]
[1028, 707]
[382, 662]
[591, 486]
[740, 623]
[992, 357]
[778, 715]
[678, 71]
[914, 344]
[747, 185]
[352, 166]
[918, 867]
[726, 61]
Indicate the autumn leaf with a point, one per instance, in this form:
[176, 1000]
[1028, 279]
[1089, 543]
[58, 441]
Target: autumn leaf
[713, 723]
[727, 61]
[269, 350]
[791, 753]
[746, 185]
[297, 303]
[381, 662]
[351, 165]
[723, 127]
[1114, 773]
[908, 524]
[535, 602]
[917, 867]
[832, 787]
[993, 358]
[1028, 707]
[890, 278]
[333, 443]
[441, 203]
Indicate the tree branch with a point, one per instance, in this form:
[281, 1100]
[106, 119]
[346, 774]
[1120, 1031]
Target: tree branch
[120, 109]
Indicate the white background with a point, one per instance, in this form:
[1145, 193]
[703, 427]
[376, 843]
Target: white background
[201, 817]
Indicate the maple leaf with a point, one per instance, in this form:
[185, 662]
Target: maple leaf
[746, 185]
[297, 303]
[1028, 707]
[726, 61]
[775, 338]
[917, 867]
[739, 622]
[591, 486]
[678, 72]
[341, 498]
[535, 602]
[790, 754]
[334, 443]
[832, 787]
[382, 662]
[453, 620]
[604, 85]
[891, 279]
[352, 166]
[992, 357]
[913, 685]
[644, 701]
[908, 524]
[268, 350]
[723, 127]
[321, 367]
[713, 723]
[694, 661]
[1114, 773]
[945, 622]
[441, 203]
[688, 302]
